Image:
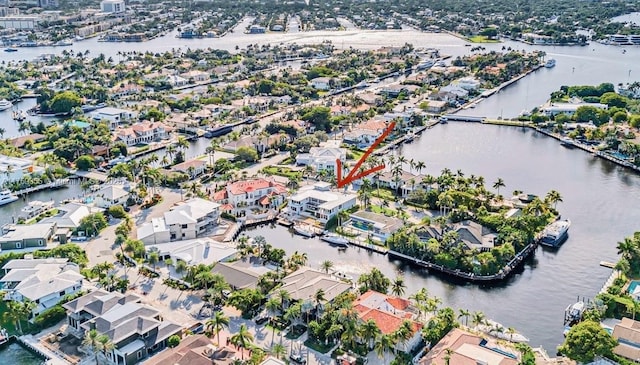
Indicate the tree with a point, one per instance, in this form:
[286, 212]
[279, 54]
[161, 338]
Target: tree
[585, 341]
[243, 339]
[320, 117]
[499, 184]
[85, 163]
[153, 258]
[117, 211]
[374, 280]
[554, 197]
[489, 32]
[464, 313]
[64, 102]
[247, 154]
[383, 346]
[173, 341]
[92, 224]
[326, 265]
[369, 331]
[398, 286]
[18, 312]
[216, 324]
[96, 342]
[278, 350]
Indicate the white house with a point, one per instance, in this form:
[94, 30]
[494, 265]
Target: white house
[191, 218]
[142, 133]
[193, 168]
[71, 214]
[112, 6]
[176, 81]
[467, 83]
[319, 202]
[154, 232]
[14, 168]
[251, 193]
[322, 158]
[553, 109]
[110, 195]
[114, 116]
[42, 281]
[196, 76]
[193, 252]
[377, 225]
[321, 83]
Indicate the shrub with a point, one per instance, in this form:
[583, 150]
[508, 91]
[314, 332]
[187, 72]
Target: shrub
[50, 316]
[117, 211]
[173, 341]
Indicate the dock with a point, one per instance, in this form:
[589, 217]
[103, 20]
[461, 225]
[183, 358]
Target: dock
[58, 184]
[607, 264]
[369, 246]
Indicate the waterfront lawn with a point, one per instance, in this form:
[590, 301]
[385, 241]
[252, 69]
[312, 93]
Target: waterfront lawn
[482, 39]
[384, 193]
[382, 210]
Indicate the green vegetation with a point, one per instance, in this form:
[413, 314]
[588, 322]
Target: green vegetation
[587, 340]
[482, 39]
[92, 224]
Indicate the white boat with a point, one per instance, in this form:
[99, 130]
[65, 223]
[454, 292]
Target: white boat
[555, 233]
[573, 313]
[304, 231]
[35, 208]
[497, 330]
[550, 63]
[5, 104]
[335, 240]
[566, 141]
[7, 197]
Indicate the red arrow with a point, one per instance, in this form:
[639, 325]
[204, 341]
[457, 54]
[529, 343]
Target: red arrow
[352, 176]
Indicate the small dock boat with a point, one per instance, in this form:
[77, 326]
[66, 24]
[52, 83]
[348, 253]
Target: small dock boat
[7, 197]
[11, 49]
[497, 330]
[567, 142]
[555, 233]
[5, 104]
[304, 231]
[550, 63]
[573, 313]
[335, 240]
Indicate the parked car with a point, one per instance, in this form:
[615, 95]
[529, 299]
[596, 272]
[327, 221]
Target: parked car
[297, 358]
[261, 320]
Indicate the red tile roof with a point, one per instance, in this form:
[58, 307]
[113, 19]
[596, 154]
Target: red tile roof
[387, 322]
[245, 186]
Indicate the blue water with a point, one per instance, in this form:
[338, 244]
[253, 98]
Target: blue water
[633, 285]
[15, 354]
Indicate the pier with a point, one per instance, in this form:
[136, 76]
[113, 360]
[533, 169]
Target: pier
[52, 185]
[369, 246]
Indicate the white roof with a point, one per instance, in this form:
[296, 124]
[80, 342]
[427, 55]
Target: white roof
[31, 231]
[197, 207]
[112, 192]
[110, 111]
[329, 199]
[72, 214]
[44, 279]
[148, 229]
[178, 217]
[198, 251]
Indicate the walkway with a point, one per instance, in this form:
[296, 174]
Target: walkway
[34, 344]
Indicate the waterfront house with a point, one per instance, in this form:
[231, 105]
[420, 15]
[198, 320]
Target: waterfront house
[15, 168]
[242, 274]
[394, 90]
[388, 313]
[319, 202]
[42, 281]
[252, 193]
[136, 330]
[304, 283]
[404, 182]
[627, 332]
[142, 133]
[375, 225]
[195, 76]
[113, 116]
[70, 215]
[192, 218]
[20, 236]
[176, 81]
[193, 168]
[109, 195]
[195, 350]
[451, 93]
[475, 236]
[321, 83]
[19, 142]
[370, 98]
[553, 109]
[435, 106]
[322, 158]
[467, 83]
[193, 252]
[465, 348]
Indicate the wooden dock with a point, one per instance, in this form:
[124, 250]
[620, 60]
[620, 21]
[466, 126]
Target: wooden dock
[607, 264]
[52, 185]
[369, 246]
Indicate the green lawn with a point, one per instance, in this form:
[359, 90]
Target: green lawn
[282, 171]
[382, 193]
[321, 348]
[383, 210]
[482, 39]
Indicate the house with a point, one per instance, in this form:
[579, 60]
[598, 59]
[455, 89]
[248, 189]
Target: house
[136, 330]
[464, 348]
[304, 283]
[142, 133]
[553, 109]
[452, 93]
[154, 232]
[114, 116]
[322, 158]
[109, 195]
[70, 215]
[272, 361]
[435, 106]
[389, 313]
[193, 168]
[19, 142]
[394, 90]
[252, 192]
[475, 235]
[193, 252]
[257, 29]
[176, 81]
[19, 236]
[15, 168]
[242, 274]
[370, 98]
[404, 181]
[319, 202]
[43, 281]
[627, 332]
[196, 76]
[191, 218]
[321, 83]
[375, 224]
[195, 350]
[468, 83]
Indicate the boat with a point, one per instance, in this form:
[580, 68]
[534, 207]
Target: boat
[555, 233]
[19, 115]
[5, 104]
[550, 63]
[335, 240]
[7, 197]
[409, 138]
[11, 49]
[35, 208]
[63, 43]
[304, 231]
[4, 338]
[567, 142]
[574, 312]
[495, 329]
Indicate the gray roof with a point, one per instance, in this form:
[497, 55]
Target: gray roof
[71, 215]
[305, 282]
[31, 263]
[99, 302]
[38, 278]
[237, 277]
[19, 232]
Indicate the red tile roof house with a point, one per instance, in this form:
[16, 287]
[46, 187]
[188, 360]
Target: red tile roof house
[389, 313]
[251, 193]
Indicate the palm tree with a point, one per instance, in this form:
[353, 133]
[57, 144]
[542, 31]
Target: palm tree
[278, 350]
[181, 267]
[447, 357]
[326, 265]
[216, 324]
[369, 332]
[273, 308]
[95, 342]
[554, 198]
[106, 344]
[477, 318]
[243, 339]
[153, 258]
[498, 184]
[383, 346]
[15, 313]
[464, 313]
[398, 286]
